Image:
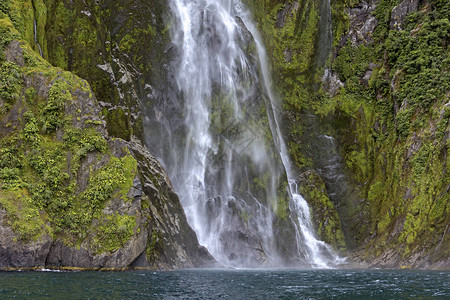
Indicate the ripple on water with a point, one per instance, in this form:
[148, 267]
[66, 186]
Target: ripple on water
[226, 284]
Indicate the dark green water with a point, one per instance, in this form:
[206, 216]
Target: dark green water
[228, 284]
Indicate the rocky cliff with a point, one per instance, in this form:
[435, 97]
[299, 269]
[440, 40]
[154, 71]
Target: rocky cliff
[76, 193]
[367, 114]
[365, 89]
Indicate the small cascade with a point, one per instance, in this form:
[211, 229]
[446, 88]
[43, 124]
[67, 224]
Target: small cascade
[36, 39]
[318, 253]
[219, 139]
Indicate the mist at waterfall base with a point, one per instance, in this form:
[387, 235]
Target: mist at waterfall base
[228, 284]
[219, 137]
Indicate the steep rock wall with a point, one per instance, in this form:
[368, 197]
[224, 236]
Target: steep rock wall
[72, 196]
[373, 122]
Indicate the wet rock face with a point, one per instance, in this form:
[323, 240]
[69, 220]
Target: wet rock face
[400, 11]
[362, 23]
[13, 53]
[16, 254]
[326, 185]
[171, 241]
[240, 238]
[325, 215]
[331, 82]
[394, 224]
[151, 229]
[125, 56]
[288, 10]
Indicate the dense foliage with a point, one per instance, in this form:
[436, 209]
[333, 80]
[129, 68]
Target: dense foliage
[390, 115]
[47, 141]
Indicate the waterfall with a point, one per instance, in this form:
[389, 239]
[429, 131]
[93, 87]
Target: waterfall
[317, 252]
[35, 37]
[219, 139]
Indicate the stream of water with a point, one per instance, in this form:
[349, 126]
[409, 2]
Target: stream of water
[36, 39]
[223, 145]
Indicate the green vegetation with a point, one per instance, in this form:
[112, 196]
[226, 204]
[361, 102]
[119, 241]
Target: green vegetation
[312, 188]
[113, 232]
[389, 117]
[119, 121]
[290, 31]
[409, 110]
[44, 187]
[23, 217]
[155, 245]
[10, 83]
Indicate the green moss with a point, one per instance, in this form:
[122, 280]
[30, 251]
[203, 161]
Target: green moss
[376, 192]
[325, 216]
[53, 111]
[422, 56]
[40, 13]
[129, 171]
[358, 163]
[113, 232]
[297, 155]
[399, 110]
[113, 178]
[41, 181]
[352, 62]
[291, 47]
[282, 208]
[21, 14]
[38, 171]
[420, 160]
[23, 217]
[7, 33]
[126, 43]
[403, 119]
[30, 94]
[118, 123]
[340, 19]
[385, 221]
[59, 21]
[10, 85]
[154, 245]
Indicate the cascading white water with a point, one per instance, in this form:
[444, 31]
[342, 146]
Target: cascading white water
[317, 252]
[228, 162]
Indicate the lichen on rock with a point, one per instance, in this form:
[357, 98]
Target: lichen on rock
[367, 123]
[71, 196]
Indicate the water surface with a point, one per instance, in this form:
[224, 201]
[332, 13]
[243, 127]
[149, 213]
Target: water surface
[228, 284]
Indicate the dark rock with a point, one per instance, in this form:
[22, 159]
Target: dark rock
[10, 121]
[153, 203]
[400, 11]
[180, 248]
[14, 53]
[243, 245]
[362, 23]
[283, 14]
[366, 78]
[63, 256]
[331, 82]
[18, 254]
